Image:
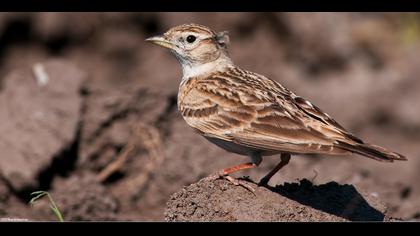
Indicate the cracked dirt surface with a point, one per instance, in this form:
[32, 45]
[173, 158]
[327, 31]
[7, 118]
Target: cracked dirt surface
[106, 81]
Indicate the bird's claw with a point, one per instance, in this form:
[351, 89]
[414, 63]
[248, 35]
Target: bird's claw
[238, 182]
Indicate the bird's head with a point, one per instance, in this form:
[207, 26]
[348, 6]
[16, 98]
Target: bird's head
[194, 45]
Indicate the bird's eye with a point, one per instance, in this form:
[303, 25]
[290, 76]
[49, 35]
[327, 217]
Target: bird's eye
[191, 38]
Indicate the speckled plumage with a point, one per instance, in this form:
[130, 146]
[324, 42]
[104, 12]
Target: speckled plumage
[248, 113]
[251, 110]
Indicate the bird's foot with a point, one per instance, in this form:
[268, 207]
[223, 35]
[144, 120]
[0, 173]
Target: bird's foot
[239, 182]
[213, 177]
[236, 182]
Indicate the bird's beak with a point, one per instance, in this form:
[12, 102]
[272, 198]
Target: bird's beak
[161, 41]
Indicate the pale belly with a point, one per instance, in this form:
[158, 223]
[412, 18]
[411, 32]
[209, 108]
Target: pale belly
[239, 149]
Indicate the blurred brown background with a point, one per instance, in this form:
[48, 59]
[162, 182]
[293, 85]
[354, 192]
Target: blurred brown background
[111, 96]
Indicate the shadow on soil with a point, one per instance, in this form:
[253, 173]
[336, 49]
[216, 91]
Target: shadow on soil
[340, 200]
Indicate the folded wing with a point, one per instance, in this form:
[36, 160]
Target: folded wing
[252, 110]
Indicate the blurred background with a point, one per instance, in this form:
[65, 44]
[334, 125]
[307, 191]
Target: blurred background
[88, 109]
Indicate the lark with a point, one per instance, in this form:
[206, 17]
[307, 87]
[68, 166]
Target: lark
[249, 114]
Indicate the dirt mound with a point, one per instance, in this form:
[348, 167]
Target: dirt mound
[219, 200]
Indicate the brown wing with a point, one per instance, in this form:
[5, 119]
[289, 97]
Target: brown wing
[230, 108]
[343, 139]
[252, 110]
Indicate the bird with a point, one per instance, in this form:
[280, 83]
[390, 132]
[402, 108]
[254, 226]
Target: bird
[249, 114]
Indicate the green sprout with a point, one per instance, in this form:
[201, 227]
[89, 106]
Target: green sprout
[54, 208]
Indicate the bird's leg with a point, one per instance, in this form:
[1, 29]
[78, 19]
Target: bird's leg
[256, 160]
[285, 157]
[225, 174]
[233, 169]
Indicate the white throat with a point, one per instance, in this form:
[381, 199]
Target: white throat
[191, 70]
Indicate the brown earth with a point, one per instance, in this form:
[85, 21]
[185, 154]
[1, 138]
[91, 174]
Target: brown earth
[219, 200]
[104, 137]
